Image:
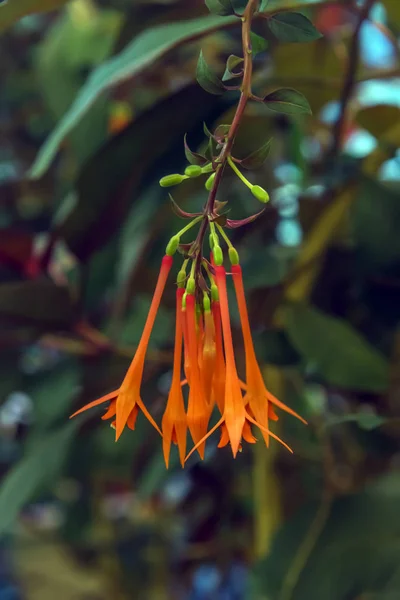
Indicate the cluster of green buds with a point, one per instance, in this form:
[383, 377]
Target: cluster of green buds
[194, 171]
[209, 163]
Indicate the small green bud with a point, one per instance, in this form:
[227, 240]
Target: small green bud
[233, 256]
[209, 182]
[172, 246]
[191, 285]
[206, 303]
[218, 255]
[170, 180]
[214, 293]
[211, 241]
[181, 278]
[184, 301]
[259, 193]
[193, 171]
[208, 168]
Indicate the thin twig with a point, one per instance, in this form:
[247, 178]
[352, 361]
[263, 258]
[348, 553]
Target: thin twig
[349, 80]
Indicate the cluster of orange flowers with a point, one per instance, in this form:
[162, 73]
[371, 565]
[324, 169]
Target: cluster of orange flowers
[203, 343]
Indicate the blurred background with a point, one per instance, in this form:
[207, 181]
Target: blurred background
[81, 238]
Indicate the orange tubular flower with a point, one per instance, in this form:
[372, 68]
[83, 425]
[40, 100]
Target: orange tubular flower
[127, 398]
[198, 413]
[257, 396]
[174, 425]
[208, 355]
[218, 383]
[235, 419]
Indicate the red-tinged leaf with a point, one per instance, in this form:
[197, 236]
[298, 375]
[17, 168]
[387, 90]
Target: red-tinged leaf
[234, 223]
[256, 159]
[193, 157]
[288, 102]
[181, 213]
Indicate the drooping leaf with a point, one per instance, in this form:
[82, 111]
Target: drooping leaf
[53, 393]
[354, 555]
[136, 56]
[220, 7]
[287, 101]
[257, 158]
[39, 468]
[207, 78]
[232, 62]
[258, 44]
[293, 27]
[13, 10]
[364, 420]
[193, 157]
[107, 183]
[335, 351]
[39, 302]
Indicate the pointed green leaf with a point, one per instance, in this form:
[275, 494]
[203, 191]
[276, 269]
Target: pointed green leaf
[232, 62]
[135, 57]
[293, 27]
[258, 44]
[257, 158]
[193, 157]
[207, 78]
[335, 350]
[263, 5]
[40, 467]
[288, 102]
[220, 7]
[364, 420]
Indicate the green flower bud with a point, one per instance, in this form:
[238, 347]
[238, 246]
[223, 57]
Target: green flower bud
[218, 255]
[233, 256]
[206, 303]
[211, 241]
[170, 180]
[181, 278]
[209, 182]
[214, 293]
[259, 193]
[193, 171]
[172, 246]
[191, 285]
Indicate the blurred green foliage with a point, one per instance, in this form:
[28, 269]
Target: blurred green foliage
[96, 98]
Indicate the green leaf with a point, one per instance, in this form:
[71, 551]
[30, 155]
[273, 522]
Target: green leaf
[107, 186]
[257, 158]
[336, 351]
[232, 62]
[13, 10]
[293, 27]
[258, 44]
[193, 157]
[364, 420]
[207, 78]
[136, 56]
[288, 102]
[53, 393]
[39, 468]
[37, 302]
[355, 554]
[220, 7]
